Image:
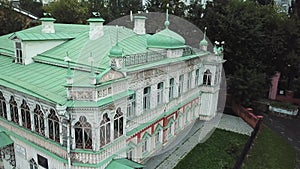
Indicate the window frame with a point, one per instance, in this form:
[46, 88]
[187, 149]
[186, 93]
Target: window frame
[160, 93]
[146, 98]
[19, 52]
[207, 78]
[105, 131]
[25, 115]
[38, 118]
[197, 75]
[131, 106]
[53, 126]
[180, 85]
[14, 114]
[189, 80]
[118, 123]
[171, 88]
[3, 110]
[83, 134]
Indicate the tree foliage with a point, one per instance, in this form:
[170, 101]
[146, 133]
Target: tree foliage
[176, 7]
[33, 7]
[10, 21]
[68, 11]
[258, 42]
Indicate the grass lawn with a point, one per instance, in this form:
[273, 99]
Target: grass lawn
[270, 151]
[219, 151]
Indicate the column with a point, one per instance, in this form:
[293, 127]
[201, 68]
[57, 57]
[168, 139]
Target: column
[7, 98]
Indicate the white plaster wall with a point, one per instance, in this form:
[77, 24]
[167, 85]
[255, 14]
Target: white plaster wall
[32, 48]
[22, 160]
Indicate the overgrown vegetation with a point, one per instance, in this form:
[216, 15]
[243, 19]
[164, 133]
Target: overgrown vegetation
[258, 42]
[270, 151]
[220, 151]
[283, 105]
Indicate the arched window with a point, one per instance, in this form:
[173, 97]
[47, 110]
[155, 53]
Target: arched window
[158, 135]
[179, 122]
[39, 125]
[171, 127]
[145, 143]
[3, 112]
[53, 125]
[13, 110]
[33, 164]
[25, 114]
[105, 130]
[197, 78]
[207, 77]
[118, 123]
[180, 86]
[160, 93]
[130, 153]
[188, 115]
[83, 134]
[146, 98]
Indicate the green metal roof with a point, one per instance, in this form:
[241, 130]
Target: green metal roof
[45, 78]
[42, 36]
[95, 20]
[124, 164]
[140, 17]
[5, 140]
[165, 39]
[48, 19]
[80, 48]
[43, 81]
[116, 51]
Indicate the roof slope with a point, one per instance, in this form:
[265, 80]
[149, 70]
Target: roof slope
[155, 23]
[46, 77]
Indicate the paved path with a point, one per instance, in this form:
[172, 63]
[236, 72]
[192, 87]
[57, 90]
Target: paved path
[169, 156]
[199, 132]
[289, 128]
[235, 124]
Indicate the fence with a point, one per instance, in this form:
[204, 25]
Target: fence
[247, 146]
[246, 114]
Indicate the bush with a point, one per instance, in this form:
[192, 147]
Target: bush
[282, 105]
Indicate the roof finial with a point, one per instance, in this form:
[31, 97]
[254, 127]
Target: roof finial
[167, 23]
[203, 42]
[69, 71]
[117, 38]
[204, 36]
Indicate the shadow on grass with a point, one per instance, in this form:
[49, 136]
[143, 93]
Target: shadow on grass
[270, 151]
[220, 151]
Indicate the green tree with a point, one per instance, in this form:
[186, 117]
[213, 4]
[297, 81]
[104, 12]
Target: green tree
[258, 42]
[10, 21]
[130, 5]
[33, 7]
[103, 8]
[156, 5]
[176, 7]
[69, 11]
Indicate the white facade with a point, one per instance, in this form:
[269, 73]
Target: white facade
[132, 109]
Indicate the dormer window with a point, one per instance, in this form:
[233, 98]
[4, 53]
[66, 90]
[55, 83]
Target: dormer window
[19, 54]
